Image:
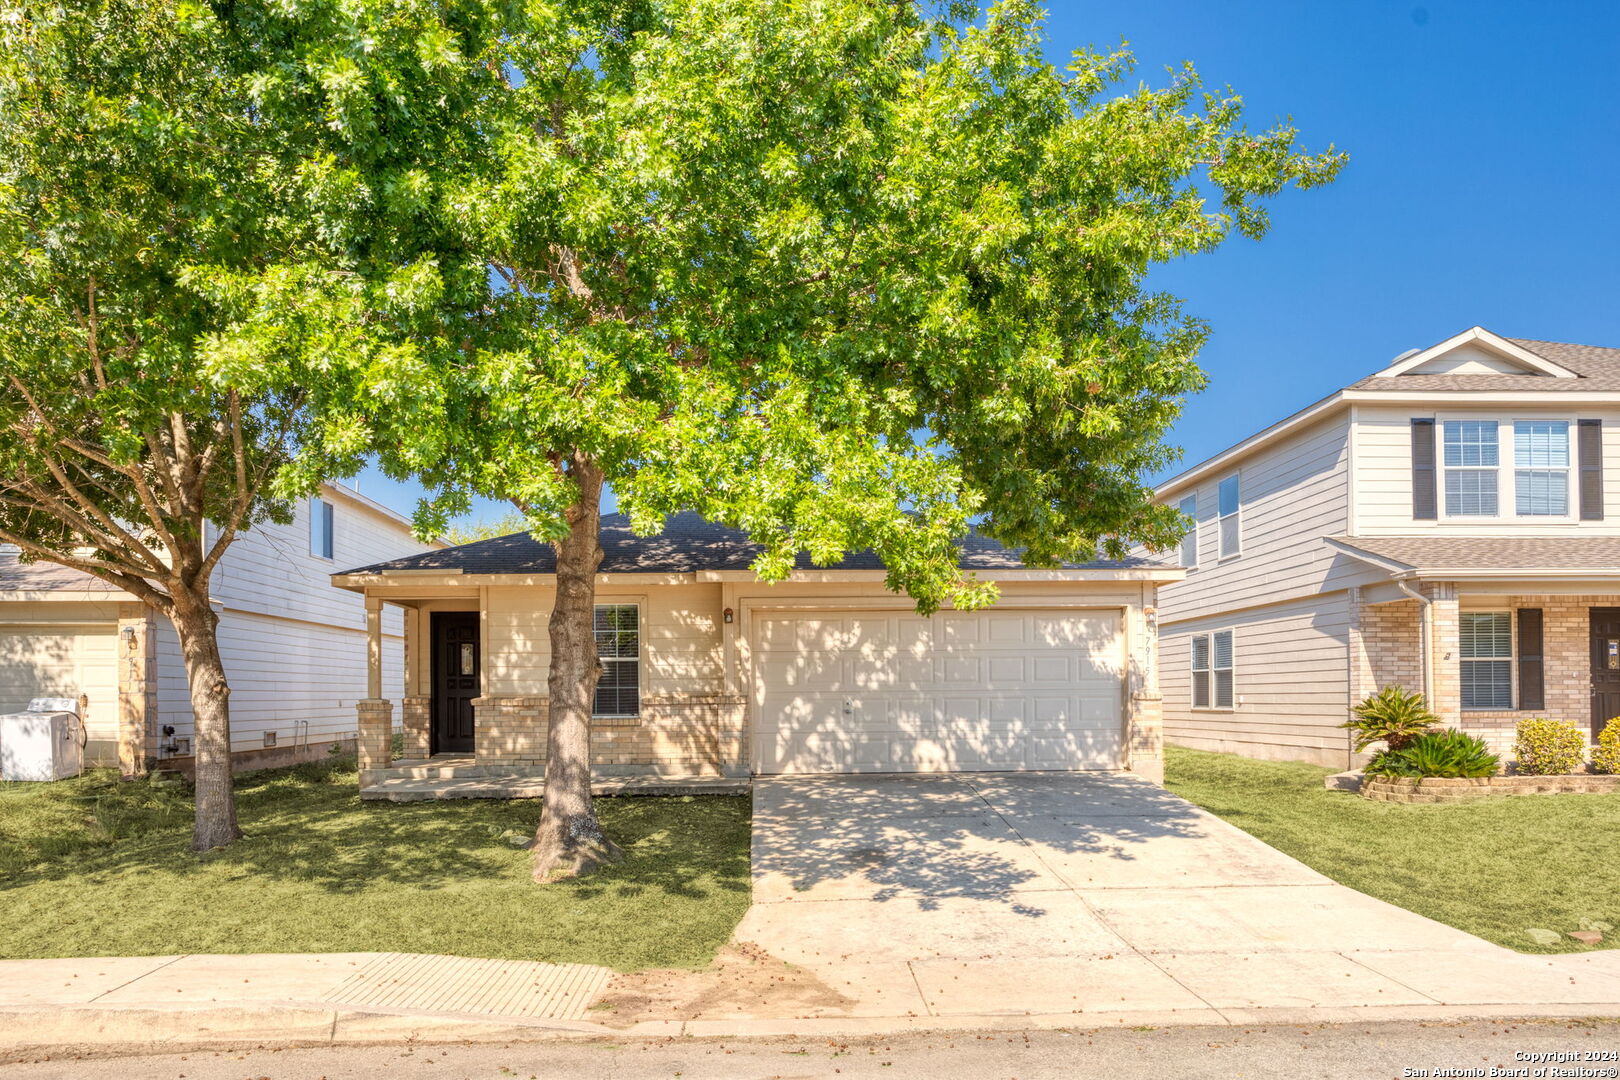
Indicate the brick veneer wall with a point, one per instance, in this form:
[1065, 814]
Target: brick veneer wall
[1567, 668]
[415, 712]
[692, 734]
[1391, 635]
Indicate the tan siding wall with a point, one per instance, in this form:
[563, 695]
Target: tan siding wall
[1291, 682]
[1383, 488]
[1293, 495]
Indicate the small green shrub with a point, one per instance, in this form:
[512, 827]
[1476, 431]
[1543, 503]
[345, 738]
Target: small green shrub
[1394, 716]
[1548, 747]
[1606, 755]
[1447, 753]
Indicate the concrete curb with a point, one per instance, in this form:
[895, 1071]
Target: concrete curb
[31, 1031]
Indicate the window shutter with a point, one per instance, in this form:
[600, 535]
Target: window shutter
[1423, 471]
[1589, 446]
[1531, 682]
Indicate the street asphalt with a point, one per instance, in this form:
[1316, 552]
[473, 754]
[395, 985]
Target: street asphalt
[1373, 1051]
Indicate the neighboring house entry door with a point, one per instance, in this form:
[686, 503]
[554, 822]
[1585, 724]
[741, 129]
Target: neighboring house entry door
[456, 667]
[1605, 667]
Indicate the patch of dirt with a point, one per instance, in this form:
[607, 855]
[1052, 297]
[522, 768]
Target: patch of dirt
[744, 981]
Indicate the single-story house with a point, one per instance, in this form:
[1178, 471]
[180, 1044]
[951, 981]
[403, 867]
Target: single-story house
[710, 671]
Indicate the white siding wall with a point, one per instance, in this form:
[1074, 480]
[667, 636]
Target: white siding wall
[1383, 488]
[294, 647]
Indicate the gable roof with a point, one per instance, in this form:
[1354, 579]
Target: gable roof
[1593, 368]
[1524, 556]
[1590, 369]
[688, 544]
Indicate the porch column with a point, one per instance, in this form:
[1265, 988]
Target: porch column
[414, 706]
[376, 716]
[137, 689]
[1145, 742]
[1445, 647]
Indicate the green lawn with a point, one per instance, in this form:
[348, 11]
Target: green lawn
[98, 867]
[1492, 868]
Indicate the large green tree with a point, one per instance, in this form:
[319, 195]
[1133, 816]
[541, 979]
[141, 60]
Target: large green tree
[145, 217]
[842, 273]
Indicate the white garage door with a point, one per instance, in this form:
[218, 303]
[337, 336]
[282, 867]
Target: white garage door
[898, 692]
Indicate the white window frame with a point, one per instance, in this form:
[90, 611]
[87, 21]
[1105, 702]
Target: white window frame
[1511, 659]
[1506, 470]
[1237, 519]
[1211, 684]
[1569, 468]
[639, 660]
[322, 526]
[1189, 543]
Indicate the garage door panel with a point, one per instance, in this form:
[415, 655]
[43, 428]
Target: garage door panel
[1001, 690]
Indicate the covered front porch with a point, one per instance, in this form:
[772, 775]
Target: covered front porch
[1489, 639]
[473, 719]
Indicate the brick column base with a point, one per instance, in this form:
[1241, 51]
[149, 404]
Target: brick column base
[414, 713]
[376, 735]
[1146, 747]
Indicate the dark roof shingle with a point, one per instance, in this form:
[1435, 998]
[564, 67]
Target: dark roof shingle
[687, 544]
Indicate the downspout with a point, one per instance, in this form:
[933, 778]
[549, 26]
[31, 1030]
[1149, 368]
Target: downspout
[1425, 632]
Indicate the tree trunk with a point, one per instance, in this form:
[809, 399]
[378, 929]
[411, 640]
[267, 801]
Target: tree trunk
[196, 623]
[569, 841]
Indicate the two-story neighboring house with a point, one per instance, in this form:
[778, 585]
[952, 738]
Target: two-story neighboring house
[1450, 524]
[294, 647]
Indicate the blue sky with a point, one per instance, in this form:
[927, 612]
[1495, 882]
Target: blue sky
[1483, 186]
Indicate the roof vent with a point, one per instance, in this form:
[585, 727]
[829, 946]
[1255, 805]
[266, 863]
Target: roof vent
[1404, 355]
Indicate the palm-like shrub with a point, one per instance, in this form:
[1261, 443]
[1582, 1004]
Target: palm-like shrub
[1549, 747]
[1606, 755]
[1437, 753]
[1394, 716]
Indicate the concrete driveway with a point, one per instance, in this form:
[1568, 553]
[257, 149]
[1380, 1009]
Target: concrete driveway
[1043, 893]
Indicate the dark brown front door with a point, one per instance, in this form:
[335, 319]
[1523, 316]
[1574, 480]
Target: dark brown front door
[456, 665]
[1605, 666]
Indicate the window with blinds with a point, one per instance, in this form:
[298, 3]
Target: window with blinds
[1213, 668]
[1471, 458]
[618, 645]
[1541, 468]
[1486, 659]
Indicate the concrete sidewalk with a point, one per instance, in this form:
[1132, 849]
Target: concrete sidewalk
[126, 1004]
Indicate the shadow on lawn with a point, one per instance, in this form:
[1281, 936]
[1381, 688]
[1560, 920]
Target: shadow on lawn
[970, 835]
[308, 824]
